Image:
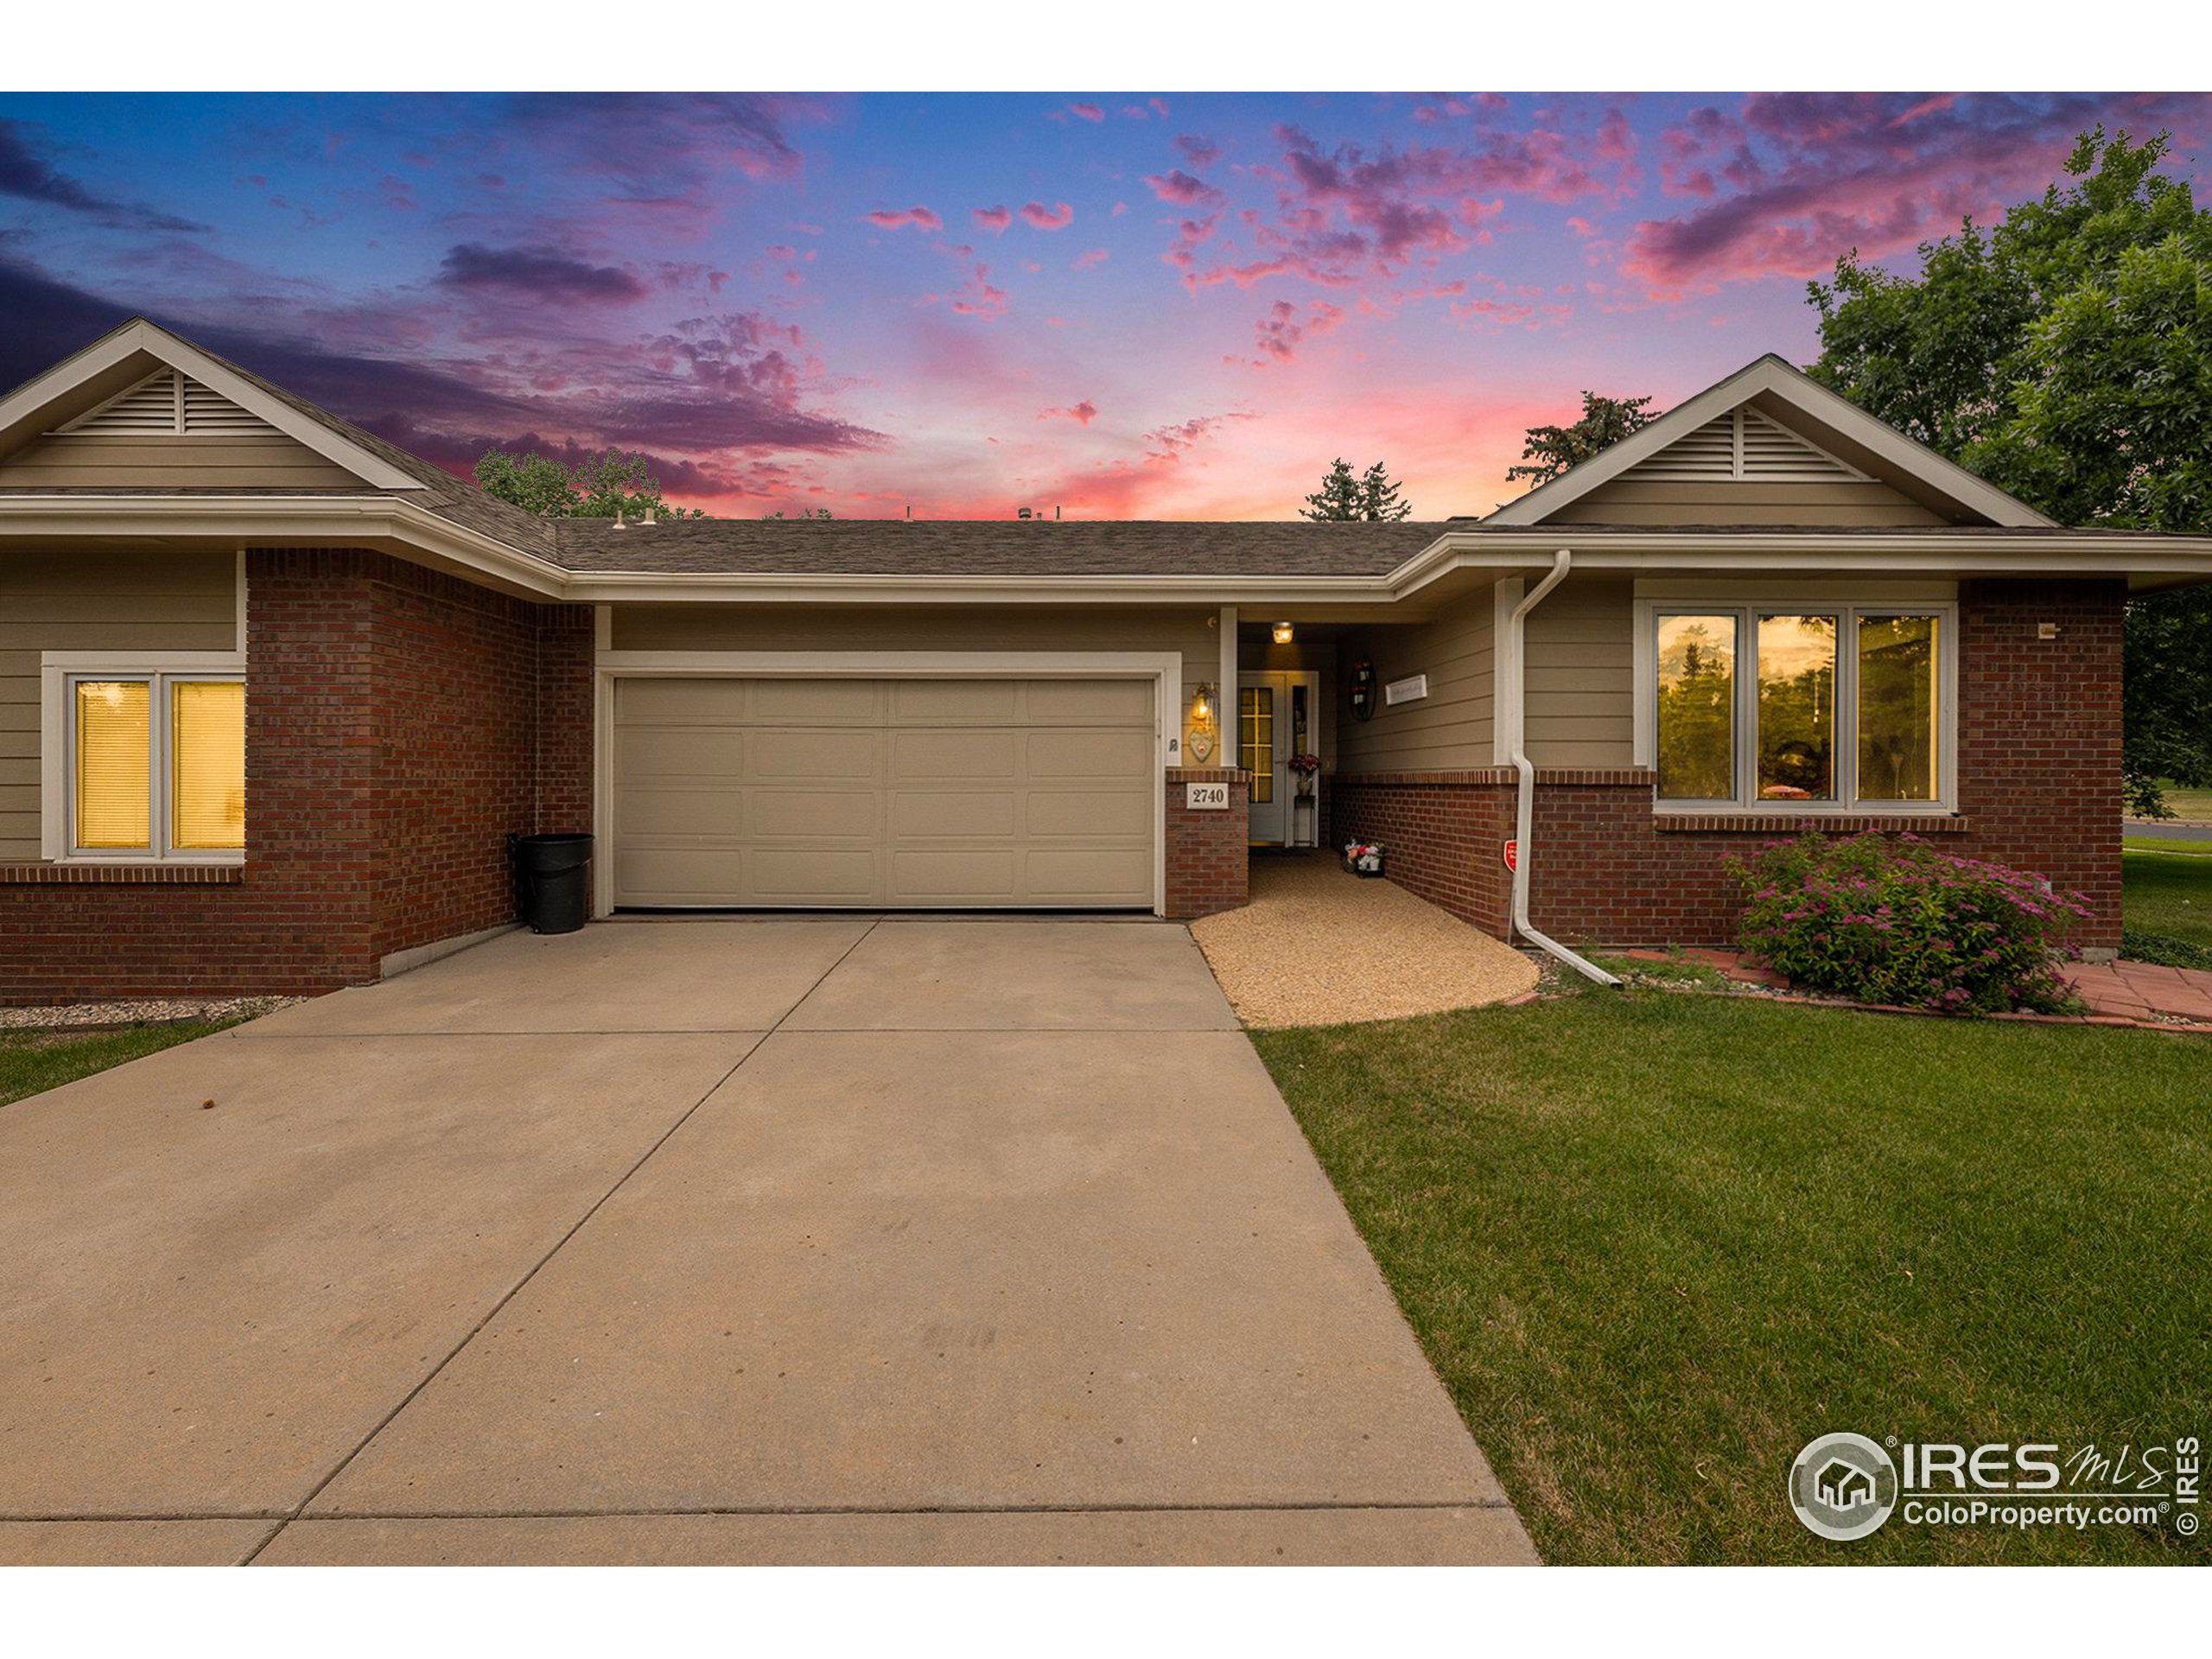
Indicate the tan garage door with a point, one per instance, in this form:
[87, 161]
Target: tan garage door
[867, 793]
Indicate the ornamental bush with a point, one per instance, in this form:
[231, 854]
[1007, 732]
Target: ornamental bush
[1897, 920]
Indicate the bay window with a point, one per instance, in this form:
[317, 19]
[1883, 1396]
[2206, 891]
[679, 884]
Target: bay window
[144, 757]
[1798, 706]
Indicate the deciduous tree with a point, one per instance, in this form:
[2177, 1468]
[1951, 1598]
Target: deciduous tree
[2066, 355]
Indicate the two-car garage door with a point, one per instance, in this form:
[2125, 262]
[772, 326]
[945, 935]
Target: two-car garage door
[868, 793]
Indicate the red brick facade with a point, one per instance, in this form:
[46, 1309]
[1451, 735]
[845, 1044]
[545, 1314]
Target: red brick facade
[2038, 787]
[392, 743]
[402, 723]
[1207, 851]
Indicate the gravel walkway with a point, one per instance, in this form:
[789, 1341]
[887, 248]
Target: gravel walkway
[169, 1012]
[1318, 947]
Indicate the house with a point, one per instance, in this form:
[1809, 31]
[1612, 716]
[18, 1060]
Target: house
[1844, 1486]
[274, 694]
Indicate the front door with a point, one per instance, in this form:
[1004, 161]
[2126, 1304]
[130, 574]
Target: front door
[1274, 721]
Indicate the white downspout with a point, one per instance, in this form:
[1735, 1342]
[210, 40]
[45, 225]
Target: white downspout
[1525, 805]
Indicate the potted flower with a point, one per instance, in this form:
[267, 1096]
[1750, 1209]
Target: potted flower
[1364, 857]
[1305, 768]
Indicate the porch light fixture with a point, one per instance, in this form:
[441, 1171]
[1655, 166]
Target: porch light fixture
[1284, 633]
[1202, 705]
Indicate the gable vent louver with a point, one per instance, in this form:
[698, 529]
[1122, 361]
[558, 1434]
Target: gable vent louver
[170, 404]
[1744, 446]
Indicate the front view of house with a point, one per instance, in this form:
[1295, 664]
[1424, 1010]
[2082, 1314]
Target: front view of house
[274, 694]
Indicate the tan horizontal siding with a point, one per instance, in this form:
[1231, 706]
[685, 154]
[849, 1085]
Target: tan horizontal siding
[94, 462]
[93, 601]
[1837, 503]
[1447, 730]
[1580, 674]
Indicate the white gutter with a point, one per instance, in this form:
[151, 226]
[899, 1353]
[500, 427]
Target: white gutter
[1524, 812]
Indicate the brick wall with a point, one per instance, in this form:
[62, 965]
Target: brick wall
[1441, 834]
[453, 675]
[1207, 851]
[2038, 766]
[566, 660]
[392, 742]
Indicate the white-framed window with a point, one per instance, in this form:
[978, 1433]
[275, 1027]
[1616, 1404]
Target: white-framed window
[143, 756]
[1805, 703]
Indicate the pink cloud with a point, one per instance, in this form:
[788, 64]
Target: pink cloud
[921, 218]
[992, 219]
[1197, 151]
[1089, 259]
[1282, 330]
[1086, 111]
[1082, 413]
[1056, 217]
[979, 298]
[1346, 213]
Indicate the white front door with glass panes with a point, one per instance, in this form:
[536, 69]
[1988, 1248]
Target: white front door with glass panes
[147, 762]
[1799, 707]
[1275, 729]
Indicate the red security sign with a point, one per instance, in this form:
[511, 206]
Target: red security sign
[1510, 851]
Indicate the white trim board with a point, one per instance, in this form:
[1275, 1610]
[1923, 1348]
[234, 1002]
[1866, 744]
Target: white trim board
[1164, 669]
[371, 520]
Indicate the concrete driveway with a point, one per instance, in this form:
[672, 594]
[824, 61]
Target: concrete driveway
[849, 1240]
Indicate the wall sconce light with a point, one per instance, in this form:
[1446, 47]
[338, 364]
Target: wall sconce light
[1199, 743]
[1284, 633]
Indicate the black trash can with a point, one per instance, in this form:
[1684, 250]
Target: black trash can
[553, 875]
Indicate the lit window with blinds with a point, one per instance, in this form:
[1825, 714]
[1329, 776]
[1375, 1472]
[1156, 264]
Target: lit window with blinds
[156, 766]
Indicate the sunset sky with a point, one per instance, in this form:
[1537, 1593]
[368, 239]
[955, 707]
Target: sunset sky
[1126, 305]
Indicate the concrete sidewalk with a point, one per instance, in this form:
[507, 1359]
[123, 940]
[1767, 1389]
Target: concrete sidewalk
[736, 1241]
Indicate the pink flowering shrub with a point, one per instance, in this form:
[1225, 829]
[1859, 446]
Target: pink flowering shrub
[1899, 921]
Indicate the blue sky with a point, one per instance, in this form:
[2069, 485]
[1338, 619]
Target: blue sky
[1127, 304]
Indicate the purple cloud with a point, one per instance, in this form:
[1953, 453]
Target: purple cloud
[1796, 178]
[536, 273]
[1179, 187]
[1056, 217]
[892, 220]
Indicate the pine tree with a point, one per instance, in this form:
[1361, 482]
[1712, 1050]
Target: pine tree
[1378, 497]
[1372, 497]
[1338, 499]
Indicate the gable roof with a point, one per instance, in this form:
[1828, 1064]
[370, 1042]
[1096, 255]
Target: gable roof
[122, 361]
[1799, 424]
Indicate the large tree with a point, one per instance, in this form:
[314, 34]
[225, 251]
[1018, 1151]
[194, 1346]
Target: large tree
[599, 487]
[1550, 450]
[1372, 496]
[2066, 355]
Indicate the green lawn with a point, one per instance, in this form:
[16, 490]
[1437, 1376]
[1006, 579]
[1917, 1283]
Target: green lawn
[1655, 1243]
[34, 1061]
[2166, 904]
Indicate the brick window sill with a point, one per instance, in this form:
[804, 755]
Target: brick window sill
[1792, 823]
[122, 876]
